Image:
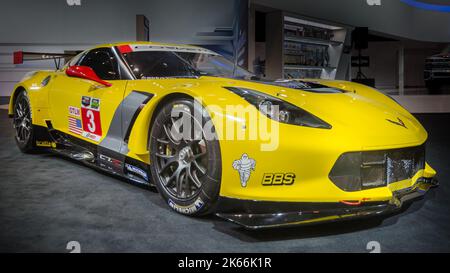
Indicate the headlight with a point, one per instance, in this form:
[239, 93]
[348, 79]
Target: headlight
[280, 110]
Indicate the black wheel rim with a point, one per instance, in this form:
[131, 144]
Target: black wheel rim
[180, 161]
[22, 120]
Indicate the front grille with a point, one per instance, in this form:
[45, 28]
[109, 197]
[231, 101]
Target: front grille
[364, 170]
[404, 163]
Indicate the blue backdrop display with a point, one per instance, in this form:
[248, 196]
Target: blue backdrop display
[429, 5]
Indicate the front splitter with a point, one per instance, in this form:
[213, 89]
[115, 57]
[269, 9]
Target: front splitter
[263, 214]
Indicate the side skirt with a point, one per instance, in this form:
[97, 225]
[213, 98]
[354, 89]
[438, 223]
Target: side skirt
[92, 155]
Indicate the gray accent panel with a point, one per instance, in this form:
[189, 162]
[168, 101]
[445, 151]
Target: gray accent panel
[122, 119]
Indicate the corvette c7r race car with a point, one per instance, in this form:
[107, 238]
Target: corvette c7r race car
[343, 150]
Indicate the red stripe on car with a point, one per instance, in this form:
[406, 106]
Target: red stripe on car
[125, 49]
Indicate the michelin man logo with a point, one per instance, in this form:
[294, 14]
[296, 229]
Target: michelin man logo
[244, 166]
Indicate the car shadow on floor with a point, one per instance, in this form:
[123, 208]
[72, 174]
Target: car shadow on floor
[273, 234]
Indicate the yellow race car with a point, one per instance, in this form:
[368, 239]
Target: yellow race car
[213, 138]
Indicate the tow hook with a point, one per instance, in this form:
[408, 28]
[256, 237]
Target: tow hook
[354, 202]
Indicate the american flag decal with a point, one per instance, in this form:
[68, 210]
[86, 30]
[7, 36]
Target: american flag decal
[75, 126]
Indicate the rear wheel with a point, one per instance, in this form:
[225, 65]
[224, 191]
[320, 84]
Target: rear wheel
[22, 123]
[185, 160]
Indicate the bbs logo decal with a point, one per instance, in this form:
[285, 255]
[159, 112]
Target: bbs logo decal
[245, 165]
[278, 179]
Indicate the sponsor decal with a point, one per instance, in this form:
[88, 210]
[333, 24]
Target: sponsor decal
[91, 136]
[139, 181]
[74, 111]
[245, 165]
[111, 160]
[90, 117]
[75, 126]
[198, 204]
[278, 179]
[136, 170]
[86, 101]
[90, 125]
[95, 104]
[45, 144]
[110, 163]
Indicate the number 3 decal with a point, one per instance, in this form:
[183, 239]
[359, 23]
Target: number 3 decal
[91, 124]
[91, 121]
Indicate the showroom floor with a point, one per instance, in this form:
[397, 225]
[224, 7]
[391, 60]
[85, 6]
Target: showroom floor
[47, 201]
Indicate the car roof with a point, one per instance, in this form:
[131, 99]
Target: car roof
[167, 46]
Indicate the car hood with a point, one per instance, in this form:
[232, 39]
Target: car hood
[363, 111]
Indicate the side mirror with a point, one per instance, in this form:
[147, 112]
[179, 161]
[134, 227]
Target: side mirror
[85, 72]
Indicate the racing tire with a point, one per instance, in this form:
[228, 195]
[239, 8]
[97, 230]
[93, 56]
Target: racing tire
[23, 125]
[186, 170]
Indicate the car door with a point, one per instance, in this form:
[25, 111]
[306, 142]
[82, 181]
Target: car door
[83, 108]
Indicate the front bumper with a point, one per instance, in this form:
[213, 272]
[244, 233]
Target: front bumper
[268, 214]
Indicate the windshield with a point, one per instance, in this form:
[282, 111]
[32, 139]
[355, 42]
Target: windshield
[171, 64]
[214, 65]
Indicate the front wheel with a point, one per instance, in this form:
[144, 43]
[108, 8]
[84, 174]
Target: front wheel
[185, 158]
[22, 123]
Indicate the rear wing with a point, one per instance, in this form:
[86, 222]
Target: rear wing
[21, 56]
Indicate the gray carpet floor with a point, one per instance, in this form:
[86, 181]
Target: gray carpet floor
[47, 201]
